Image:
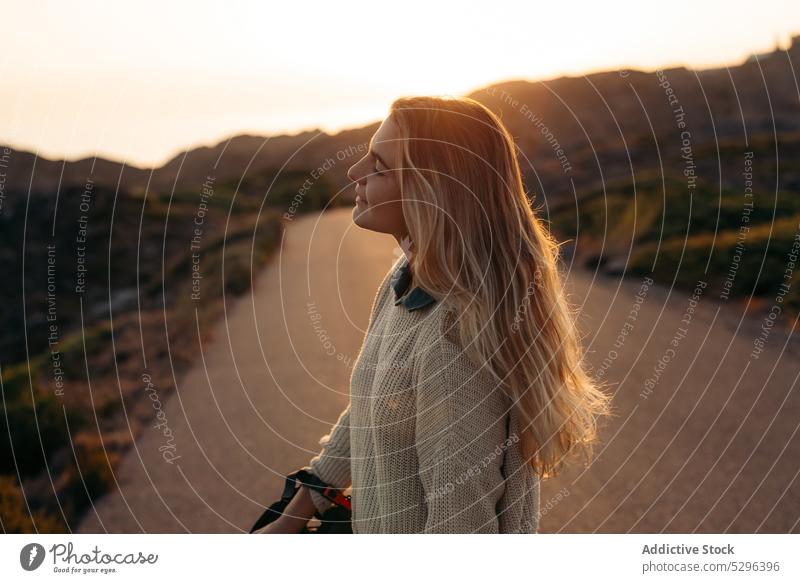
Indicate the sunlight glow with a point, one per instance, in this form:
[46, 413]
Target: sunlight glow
[141, 81]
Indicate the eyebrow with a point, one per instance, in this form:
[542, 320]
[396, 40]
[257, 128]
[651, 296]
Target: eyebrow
[377, 156]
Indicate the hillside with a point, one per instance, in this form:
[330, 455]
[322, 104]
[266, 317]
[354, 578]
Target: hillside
[606, 123]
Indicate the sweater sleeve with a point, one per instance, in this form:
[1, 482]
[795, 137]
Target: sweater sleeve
[461, 437]
[332, 464]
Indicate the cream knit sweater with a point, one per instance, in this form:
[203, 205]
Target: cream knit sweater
[428, 442]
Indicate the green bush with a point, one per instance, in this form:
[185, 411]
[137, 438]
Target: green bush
[767, 244]
[16, 518]
[35, 431]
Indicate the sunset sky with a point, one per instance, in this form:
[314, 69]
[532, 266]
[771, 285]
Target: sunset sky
[140, 81]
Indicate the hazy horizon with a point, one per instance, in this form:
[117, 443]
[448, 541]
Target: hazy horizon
[143, 98]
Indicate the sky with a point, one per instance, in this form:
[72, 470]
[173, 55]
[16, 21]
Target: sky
[142, 81]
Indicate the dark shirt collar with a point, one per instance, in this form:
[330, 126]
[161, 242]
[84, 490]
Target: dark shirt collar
[401, 278]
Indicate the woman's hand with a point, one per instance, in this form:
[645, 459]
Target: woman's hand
[295, 516]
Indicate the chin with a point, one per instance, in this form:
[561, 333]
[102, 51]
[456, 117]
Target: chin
[359, 218]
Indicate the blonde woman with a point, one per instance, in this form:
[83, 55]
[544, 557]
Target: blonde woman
[469, 387]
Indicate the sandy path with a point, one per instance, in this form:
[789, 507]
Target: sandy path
[713, 447]
[245, 417]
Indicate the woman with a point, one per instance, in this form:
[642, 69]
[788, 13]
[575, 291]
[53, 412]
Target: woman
[469, 387]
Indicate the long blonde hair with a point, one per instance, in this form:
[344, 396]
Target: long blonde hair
[478, 246]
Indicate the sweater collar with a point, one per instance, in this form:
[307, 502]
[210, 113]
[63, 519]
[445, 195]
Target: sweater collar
[417, 297]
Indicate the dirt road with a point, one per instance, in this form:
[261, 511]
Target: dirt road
[269, 384]
[705, 437]
[706, 433]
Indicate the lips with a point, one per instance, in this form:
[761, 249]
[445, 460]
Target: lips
[360, 199]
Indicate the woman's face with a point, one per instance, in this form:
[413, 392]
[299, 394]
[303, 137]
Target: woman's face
[378, 201]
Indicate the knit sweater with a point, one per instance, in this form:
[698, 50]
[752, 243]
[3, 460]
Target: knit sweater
[428, 443]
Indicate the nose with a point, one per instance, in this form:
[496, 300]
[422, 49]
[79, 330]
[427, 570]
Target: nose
[354, 174]
[351, 174]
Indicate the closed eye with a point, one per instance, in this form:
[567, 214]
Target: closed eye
[376, 160]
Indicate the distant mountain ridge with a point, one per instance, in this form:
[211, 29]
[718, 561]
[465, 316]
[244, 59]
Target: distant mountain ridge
[598, 120]
[228, 160]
